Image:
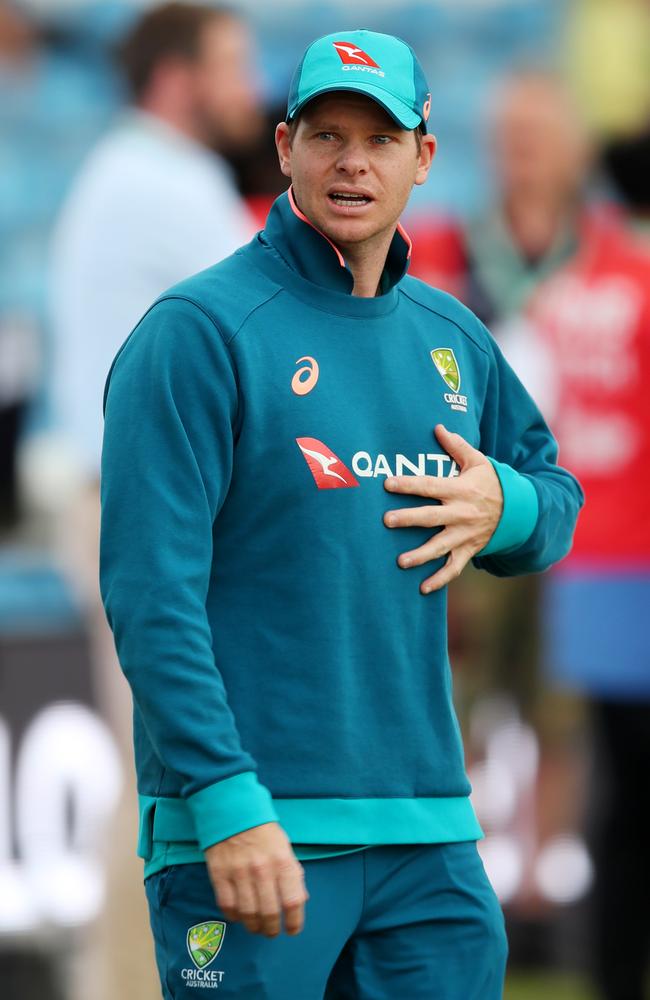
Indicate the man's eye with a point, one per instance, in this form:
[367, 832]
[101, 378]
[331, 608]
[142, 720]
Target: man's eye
[325, 135]
[382, 140]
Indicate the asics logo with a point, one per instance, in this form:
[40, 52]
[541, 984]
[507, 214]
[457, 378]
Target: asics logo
[301, 386]
[328, 470]
[352, 56]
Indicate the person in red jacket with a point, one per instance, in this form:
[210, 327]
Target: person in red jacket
[565, 286]
[593, 319]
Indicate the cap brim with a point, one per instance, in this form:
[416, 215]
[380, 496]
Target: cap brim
[400, 112]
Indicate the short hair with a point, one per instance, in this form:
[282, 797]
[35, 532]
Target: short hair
[170, 30]
[293, 126]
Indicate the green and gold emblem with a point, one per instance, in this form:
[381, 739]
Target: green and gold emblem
[204, 941]
[445, 361]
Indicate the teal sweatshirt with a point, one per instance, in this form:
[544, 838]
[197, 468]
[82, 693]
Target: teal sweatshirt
[283, 666]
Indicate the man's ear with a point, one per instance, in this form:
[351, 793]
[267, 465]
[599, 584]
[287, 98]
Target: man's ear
[283, 146]
[427, 153]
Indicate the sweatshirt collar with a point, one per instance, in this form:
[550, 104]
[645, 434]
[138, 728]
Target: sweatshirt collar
[310, 253]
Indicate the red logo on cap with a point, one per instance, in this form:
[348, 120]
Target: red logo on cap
[352, 56]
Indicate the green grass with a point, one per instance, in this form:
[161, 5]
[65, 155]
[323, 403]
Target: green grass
[546, 985]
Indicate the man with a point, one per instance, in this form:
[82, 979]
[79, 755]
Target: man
[291, 681]
[154, 201]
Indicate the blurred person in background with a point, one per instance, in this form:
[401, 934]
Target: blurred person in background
[494, 262]
[565, 284]
[153, 202]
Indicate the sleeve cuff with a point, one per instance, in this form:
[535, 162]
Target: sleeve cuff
[519, 514]
[230, 806]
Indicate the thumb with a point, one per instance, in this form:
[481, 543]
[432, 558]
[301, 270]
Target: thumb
[455, 445]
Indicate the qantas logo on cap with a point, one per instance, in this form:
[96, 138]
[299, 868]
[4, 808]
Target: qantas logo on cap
[352, 56]
[328, 470]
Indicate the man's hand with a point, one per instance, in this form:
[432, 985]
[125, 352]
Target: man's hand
[470, 508]
[256, 877]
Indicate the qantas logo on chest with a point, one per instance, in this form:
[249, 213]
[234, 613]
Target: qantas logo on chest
[330, 472]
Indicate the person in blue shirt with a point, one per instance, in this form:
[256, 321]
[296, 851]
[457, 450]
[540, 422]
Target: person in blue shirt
[303, 446]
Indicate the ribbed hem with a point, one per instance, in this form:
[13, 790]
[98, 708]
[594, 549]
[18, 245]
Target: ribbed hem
[379, 821]
[520, 511]
[169, 823]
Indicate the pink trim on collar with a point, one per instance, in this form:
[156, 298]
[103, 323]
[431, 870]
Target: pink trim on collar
[296, 211]
[407, 239]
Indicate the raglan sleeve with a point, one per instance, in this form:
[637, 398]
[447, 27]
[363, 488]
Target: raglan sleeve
[171, 412]
[542, 499]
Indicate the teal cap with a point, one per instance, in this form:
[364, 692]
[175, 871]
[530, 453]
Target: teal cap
[381, 66]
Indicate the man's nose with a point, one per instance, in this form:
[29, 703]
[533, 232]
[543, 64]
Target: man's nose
[353, 158]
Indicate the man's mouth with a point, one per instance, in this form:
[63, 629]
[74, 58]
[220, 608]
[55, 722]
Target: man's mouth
[346, 199]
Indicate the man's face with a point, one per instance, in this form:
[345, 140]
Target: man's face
[539, 146]
[223, 82]
[351, 165]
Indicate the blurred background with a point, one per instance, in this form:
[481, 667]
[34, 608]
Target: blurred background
[134, 152]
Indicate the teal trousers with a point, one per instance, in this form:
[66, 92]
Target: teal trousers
[392, 922]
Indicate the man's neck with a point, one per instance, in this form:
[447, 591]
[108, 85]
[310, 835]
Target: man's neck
[175, 118]
[367, 261]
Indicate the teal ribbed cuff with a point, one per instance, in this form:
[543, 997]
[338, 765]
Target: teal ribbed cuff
[520, 511]
[230, 806]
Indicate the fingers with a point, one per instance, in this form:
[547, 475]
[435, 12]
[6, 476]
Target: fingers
[440, 545]
[457, 447]
[431, 516]
[436, 487]
[226, 894]
[247, 902]
[293, 895]
[454, 566]
[260, 893]
[441, 487]
[268, 897]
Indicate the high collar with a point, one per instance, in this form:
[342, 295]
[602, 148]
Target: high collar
[310, 253]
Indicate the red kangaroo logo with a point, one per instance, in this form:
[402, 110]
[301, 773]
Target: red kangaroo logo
[352, 56]
[327, 468]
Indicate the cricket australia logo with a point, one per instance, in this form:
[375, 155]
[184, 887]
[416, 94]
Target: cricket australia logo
[204, 942]
[445, 361]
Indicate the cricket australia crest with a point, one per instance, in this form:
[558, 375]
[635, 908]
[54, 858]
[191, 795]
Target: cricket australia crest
[204, 942]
